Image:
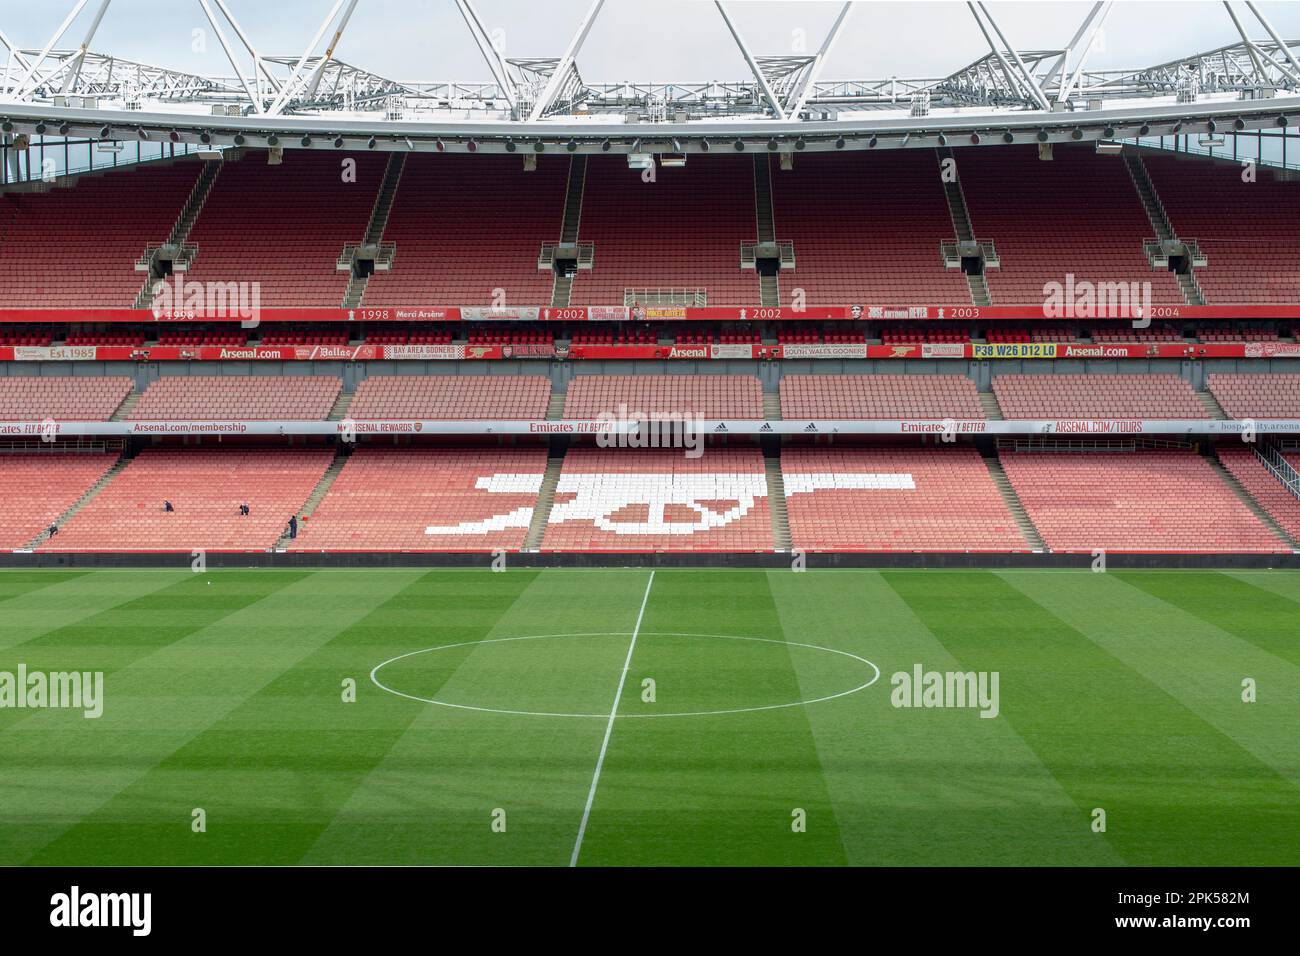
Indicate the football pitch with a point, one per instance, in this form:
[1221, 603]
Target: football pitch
[689, 717]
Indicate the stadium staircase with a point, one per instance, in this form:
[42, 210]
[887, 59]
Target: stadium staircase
[378, 221]
[772, 406]
[1212, 405]
[555, 407]
[340, 409]
[776, 503]
[318, 493]
[1159, 220]
[180, 232]
[963, 230]
[562, 287]
[990, 403]
[769, 287]
[545, 500]
[1012, 501]
[84, 500]
[123, 411]
[1255, 508]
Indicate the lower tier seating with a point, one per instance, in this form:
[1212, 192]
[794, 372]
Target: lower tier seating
[37, 488]
[418, 499]
[620, 499]
[206, 486]
[1261, 484]
[895, 499]
[1144, 500]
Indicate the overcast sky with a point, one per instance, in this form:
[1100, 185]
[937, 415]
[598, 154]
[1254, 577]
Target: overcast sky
[645, 40]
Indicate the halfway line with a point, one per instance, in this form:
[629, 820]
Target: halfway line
[609, 727]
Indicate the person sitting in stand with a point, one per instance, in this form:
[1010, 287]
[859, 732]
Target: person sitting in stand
[167, 506]
[243, 509]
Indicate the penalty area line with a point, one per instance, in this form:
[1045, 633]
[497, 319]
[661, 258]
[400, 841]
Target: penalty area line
[609, 727]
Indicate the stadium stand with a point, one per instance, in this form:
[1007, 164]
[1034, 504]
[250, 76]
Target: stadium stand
[76, 246]
[35, 489]
[445, 498]
[621, 499]
[709, 396]
[465, 226]
[452, 397]
[880, 397]
[1276, 395]
[866, 227]
[681, 231]
[1096, 396]
[284, 226]
[212, 397]
[206, 486]
[1247, 230]
[1079, 214]
[895, 499]
[1262, 485]
[1142, 500]
[63, 399]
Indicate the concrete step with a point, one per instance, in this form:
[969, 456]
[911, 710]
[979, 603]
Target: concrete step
[1255, 507]
[991, 409]
[772, 406]
[320, 491]
[125, 408]
[776, 504]
[1014, 504]
[545, 500]
[1212, 405]
[555, 407]
[340, 409]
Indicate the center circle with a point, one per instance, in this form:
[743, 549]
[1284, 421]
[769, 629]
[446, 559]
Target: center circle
[868, 674]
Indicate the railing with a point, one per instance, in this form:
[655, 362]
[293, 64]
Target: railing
[52, 447]
[1088, 444]
[1280, 468]
[666, 297]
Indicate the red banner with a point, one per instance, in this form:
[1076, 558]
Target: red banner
[712, 313]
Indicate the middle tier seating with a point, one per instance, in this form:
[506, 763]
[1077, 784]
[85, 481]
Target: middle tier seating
[1272, 395]
[231, 397]
[420, 499]
[1144, 500]
[81, 398]
[895, 499]
[708, 396]
[206, 486]
[624, 499]
[1096, 396]
[880, 397]
[521, 397]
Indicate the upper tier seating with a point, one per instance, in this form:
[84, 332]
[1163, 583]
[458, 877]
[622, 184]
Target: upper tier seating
[230, 397]
[682, 231]
[77, 246]
[1079, 213]
[206, 486]
[284, 226]
[1255, 395]
[466, 226]
[453, 499]
[65, 399]
[520, 397]
[708, 396]
[880, 397]
[1249, 231]
[623, 499]
[35, 489]
[866, 228]
[1144, 500]
[1262, 485]
[895, 499]
[1096, 396]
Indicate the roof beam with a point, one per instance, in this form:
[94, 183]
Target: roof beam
[20, 88]
[803, 89]
[495, 61]
[556, 81]
[763, 85]
[1019, 74]
[290, 87]
[1259, 15]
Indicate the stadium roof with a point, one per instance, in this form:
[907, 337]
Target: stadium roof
[1011, 94]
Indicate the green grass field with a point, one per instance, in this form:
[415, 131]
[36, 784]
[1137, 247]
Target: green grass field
[224, 691]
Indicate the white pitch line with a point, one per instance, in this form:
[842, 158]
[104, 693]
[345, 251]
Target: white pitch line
[609, 727]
